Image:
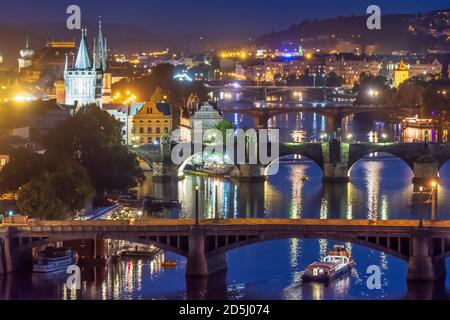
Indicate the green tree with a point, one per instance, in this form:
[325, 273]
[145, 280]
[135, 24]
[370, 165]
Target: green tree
[56, 195]
[22, 167]
[223, 126]
[93, 138]
[38, 199]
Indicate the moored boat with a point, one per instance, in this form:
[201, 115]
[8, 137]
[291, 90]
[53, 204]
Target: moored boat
[54, 260]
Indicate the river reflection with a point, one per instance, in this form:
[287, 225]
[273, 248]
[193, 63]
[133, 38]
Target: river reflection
[380, 188]
[269, 270]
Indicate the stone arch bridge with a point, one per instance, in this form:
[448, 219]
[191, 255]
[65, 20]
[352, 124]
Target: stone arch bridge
[205, 245]
[334, 158]
[335, 112]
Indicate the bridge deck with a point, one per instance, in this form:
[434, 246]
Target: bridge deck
[237, 222]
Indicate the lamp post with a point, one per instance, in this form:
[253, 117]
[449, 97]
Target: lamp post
[420, 207]
[196, 206]
[434, 194]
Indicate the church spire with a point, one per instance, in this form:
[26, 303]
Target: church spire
[101, 52]
[83, 62]
[66, 65]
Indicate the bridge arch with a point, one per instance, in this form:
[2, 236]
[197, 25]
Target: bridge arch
[376, 158]
[367, 242]
[164, 243]
[266, 169]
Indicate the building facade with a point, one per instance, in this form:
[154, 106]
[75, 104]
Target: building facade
[401, 74]
[151, 122]
[88, 82]
[206, 117]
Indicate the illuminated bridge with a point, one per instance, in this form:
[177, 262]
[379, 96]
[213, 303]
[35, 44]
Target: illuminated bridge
[334, 112]
[205, 245]
[335, 158]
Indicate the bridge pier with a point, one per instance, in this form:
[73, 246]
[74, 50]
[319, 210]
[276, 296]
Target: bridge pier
[248, 172]
[13, 260]
[425, 169]
[165, 172]
[199, 263]
[335, 161]
[335, 172]
[422, 264]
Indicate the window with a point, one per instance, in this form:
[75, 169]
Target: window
[158, 130]
[2, 162]
[149, 130]
[141, 130]
[133, 131]
[166, 130]
[149, 139]
[148, 110]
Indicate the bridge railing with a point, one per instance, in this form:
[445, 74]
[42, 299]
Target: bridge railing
[231, 222]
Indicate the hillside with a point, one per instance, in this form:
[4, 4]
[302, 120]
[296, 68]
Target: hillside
[393, 35]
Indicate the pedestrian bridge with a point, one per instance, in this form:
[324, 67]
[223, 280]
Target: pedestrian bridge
[204, 245]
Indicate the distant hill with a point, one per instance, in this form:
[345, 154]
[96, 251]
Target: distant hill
[393, 35]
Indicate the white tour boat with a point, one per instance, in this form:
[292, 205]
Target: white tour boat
[337, 263]
[54, 259]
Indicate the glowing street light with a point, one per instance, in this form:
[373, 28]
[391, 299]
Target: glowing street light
[434, 194]
[197, 188]
[420, 206]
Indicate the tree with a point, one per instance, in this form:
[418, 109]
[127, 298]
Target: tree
[37, 199]
[333, 80]
[93, 138]
[56, 195]
[22, 167]
[408, 94]
[223, 126]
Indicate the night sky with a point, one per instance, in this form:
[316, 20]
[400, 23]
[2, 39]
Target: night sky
[206, 16]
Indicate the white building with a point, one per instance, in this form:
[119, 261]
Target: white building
[423, 67]
[85, 81]
[206, 117]
[119, 112]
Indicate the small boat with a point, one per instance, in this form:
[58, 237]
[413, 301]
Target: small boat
[169, 264]
[336, 264]
[54, 260]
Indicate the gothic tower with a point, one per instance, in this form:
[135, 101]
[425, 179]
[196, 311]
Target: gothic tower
[84, 81]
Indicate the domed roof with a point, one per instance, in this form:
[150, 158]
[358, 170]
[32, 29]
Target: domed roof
[27, 53]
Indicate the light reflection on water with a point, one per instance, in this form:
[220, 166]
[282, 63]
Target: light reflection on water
[378, 188]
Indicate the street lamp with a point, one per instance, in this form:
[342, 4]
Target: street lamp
[420, 207]
[384, 136]
[434, 194]
[349, 137]
[196, 205]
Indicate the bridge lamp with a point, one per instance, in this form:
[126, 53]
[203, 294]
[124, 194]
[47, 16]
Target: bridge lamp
[434, 200]
[349, 136]
[197, 189]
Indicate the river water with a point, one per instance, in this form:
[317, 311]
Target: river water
[379, 188]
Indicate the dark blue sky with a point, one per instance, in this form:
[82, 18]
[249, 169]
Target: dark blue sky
[206, 16]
